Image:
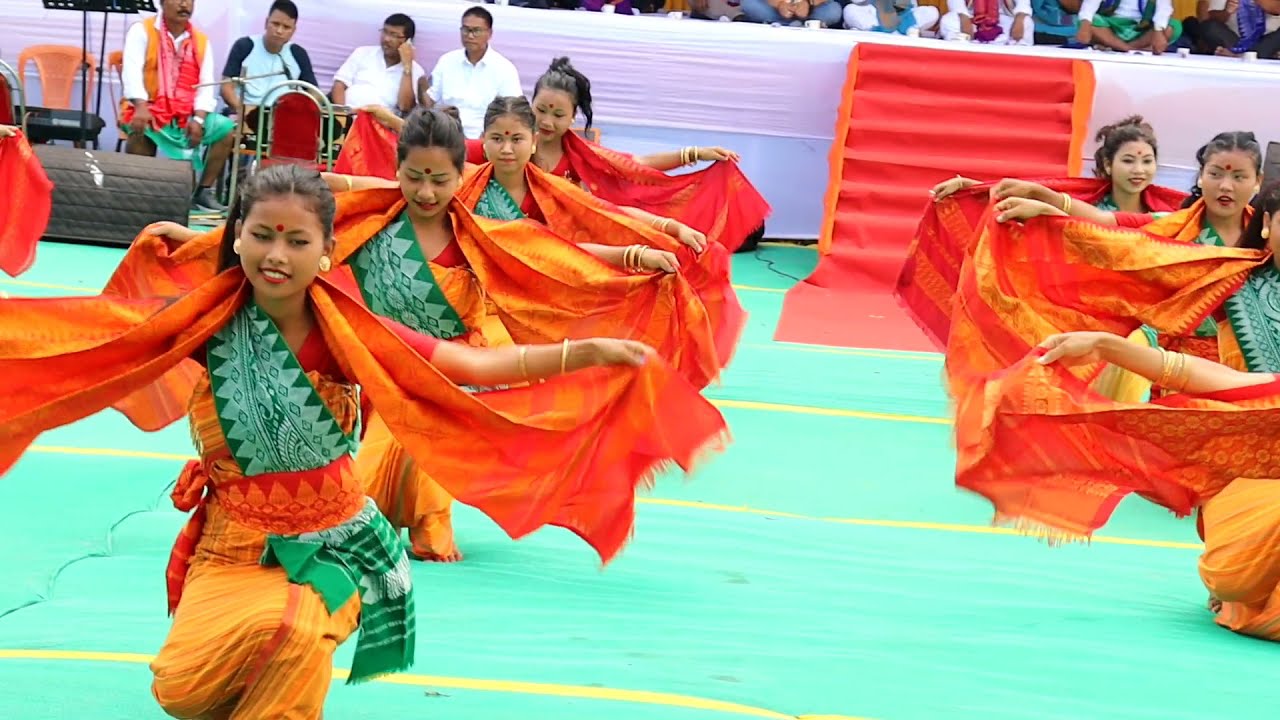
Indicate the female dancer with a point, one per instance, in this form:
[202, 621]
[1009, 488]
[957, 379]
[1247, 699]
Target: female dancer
[1125, 167]
[542, 289]
[1218, 213]
[1202, 449]
[718, 201]
[285, 555]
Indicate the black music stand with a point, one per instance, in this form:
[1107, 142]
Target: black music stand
[107, 8]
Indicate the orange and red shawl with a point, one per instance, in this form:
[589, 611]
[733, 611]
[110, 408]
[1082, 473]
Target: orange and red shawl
[580, 217]
[1055, 457]
[1026, 281]
[545, 289]
[369, 149]
[718, 201]
[28, 200]
[946, 235]
[569, 452]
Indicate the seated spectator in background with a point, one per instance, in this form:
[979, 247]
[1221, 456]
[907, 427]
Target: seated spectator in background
[891, 16]
[1234, 27]
[999, 22]
[383, 74]
[793, 12]
[269, 52]
[1055, 21]
[474, 75]
[1128, 24]
[716, 9]
[168, 77]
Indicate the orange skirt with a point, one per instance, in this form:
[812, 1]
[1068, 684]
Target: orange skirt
[245, 642]
[1241, 561]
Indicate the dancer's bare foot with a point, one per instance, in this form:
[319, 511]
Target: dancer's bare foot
[1224, 52]
[1215, 605]
[433, 541]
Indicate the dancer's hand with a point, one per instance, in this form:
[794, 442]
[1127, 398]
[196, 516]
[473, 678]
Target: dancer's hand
[691, 237]
[714, 154]
[1017, 208]
[602, 352]
[8, 131]
[170, 230]
[949, 187]
[1012, 187]
[1076, 348]
[382, 114]
[659, 260]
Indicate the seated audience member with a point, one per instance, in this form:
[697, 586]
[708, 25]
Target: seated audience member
[1234, 27]
[269, 52]
[999, 22]
[1055, 21]
[168, 78]
[716, 9]
[793, 12]
[472, 76]
[383, 74]
[891, 16]
[1128, 25]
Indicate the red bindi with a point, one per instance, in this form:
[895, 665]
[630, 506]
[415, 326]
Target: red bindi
[426, 171]
[1228, 167]
[279, 228]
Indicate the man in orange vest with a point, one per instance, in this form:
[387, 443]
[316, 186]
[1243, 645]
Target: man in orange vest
[165, 59]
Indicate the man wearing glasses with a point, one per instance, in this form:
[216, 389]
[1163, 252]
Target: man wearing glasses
[471, 77]
[383, 74]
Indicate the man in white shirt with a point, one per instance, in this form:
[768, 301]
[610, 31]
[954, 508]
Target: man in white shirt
[170, 96]
[472, 77]
[1128, 24]
[381, 75]
[1234, 27]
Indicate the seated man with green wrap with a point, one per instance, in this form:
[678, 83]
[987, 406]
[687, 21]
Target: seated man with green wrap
[169, 80]
[1126, 25]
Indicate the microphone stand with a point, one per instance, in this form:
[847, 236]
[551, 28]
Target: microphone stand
[238, 135]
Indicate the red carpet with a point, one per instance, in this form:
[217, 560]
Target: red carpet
[908, 119]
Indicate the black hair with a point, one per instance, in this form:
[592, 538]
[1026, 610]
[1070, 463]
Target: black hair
[515, 105]
[402, 21]
[564, 77]
[1267, 202]
[288, 7]
[433, 128]
[276, 181]
[1114, 136]
[1241, 140]
[479, 12]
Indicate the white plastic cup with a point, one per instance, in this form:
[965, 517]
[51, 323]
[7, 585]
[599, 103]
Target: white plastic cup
[1184, 52]
[675, 15]
[913, 32]
[813, 24]
[1251, 57]
[608, 9]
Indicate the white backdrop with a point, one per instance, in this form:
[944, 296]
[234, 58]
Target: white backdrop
[770, 93]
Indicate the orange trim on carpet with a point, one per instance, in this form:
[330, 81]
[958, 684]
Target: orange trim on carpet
[835, 158]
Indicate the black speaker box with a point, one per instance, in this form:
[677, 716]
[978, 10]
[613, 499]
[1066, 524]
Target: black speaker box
[106, 198]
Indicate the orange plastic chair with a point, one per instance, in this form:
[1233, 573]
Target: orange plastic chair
[58, 67]
[115, 61]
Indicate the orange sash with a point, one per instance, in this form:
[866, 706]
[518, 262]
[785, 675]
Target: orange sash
[948, 230]
[569, 452]
[580, 217]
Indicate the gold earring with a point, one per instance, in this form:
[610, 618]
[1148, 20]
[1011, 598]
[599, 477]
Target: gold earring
[1266, 232]
[235, 246]
[325, 263]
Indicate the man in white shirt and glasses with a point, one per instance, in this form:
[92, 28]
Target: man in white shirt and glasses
[471, 77]
[383, 74]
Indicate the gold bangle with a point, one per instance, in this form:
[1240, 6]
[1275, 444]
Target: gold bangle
[693, 156]
[627, 256]
[523, 360]
[1066, 203]
[640, 257]
[564, 356]
[348, 179]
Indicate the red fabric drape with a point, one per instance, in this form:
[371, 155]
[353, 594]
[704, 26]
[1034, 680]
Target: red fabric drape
[24, 213]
